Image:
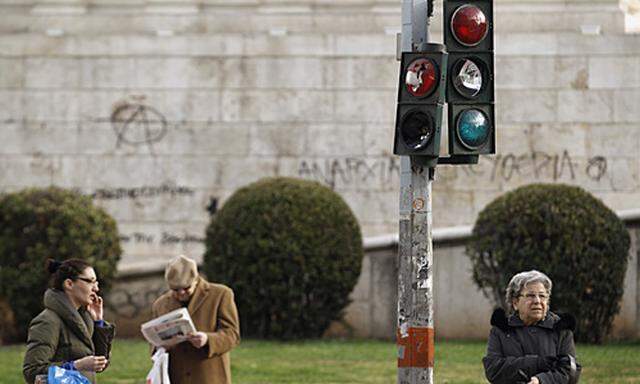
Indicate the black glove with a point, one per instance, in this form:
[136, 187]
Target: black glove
[522, 377]
[546, 363]
[563, 361]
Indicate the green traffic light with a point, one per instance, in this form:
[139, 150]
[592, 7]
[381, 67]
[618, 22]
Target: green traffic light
[473, 128]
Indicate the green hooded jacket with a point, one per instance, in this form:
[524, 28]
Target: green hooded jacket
[60, 334]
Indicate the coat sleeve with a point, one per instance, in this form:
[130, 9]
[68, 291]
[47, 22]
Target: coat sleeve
[227, 333]
[42, 343]
[154, 313]
[501, 369]
[102, 339]
[561, 373]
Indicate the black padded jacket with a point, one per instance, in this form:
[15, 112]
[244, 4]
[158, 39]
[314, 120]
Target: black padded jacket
[545, 350]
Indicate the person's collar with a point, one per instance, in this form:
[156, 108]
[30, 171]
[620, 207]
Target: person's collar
[198, 296]
[77, 320]
[548, 321]
[501, 320]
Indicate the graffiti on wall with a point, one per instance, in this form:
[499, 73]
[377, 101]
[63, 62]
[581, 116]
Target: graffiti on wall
[535, 166]
[141, 192]
[352, 171]
[136, 123]
[384, 172]
[540, 165]
[165, 238]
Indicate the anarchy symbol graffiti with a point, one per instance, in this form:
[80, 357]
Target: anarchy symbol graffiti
[138, 124]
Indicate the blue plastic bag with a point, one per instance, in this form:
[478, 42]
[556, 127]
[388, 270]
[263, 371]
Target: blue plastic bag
[59, 375]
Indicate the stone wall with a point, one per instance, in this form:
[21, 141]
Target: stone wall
[160, 109]
[461, 311]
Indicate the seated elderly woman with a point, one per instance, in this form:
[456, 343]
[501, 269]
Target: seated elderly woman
[531, 345]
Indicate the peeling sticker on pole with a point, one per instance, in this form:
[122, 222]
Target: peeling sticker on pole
[417, 349]
[401, 352]
[418, 204]
[423, 274]
[404, 330]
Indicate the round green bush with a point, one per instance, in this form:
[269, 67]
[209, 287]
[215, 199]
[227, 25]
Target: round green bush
[564, 232]
[292, 252]
[37, 224]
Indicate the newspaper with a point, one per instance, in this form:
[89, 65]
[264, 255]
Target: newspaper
[169, 329]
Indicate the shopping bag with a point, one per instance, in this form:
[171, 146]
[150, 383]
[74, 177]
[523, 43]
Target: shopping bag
[57, 375]
[159, 373]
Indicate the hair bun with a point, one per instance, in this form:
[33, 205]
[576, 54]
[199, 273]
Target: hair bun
[53, 265]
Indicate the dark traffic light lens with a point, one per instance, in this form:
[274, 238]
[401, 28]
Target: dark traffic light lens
[469, 25]
[421, 77]
[473, 128]
[468, 77]
[417, 129]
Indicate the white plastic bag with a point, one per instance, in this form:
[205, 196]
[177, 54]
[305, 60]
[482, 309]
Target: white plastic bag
[159, 373]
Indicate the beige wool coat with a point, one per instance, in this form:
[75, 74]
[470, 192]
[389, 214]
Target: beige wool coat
[214, 312]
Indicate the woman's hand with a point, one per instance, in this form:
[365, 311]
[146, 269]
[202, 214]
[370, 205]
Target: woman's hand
[91, 363]
[534, 380]
[95, 308]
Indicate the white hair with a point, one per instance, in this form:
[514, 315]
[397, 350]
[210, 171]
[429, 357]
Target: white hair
[521, 280]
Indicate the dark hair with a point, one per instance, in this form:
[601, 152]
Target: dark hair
[68, 269]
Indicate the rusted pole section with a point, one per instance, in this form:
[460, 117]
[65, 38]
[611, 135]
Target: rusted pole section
[415, 254]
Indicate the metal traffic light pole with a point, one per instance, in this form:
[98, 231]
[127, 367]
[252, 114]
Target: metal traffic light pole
[415, 255]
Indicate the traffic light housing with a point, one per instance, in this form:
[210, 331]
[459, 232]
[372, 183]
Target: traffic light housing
[468, 35]
[421, 96]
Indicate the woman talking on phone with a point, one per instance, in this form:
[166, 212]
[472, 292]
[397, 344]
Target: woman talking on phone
[70, 332]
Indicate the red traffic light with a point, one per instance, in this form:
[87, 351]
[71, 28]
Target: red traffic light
[469, 25]
[421, 95]
[421, 78]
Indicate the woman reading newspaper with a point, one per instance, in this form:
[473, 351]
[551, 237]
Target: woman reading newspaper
[70, 332]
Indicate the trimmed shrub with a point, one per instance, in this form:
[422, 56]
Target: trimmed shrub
[37, 224]
[7, 322]
[292, 252]
[564, 232]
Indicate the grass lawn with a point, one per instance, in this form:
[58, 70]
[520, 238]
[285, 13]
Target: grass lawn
[256, 362]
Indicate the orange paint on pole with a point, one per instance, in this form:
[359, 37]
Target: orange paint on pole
[417, 349]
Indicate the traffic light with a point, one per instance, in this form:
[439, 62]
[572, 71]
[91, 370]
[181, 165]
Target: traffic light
[468, 35]
[421, 95]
